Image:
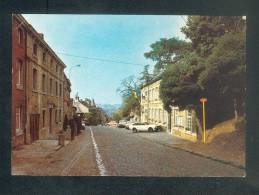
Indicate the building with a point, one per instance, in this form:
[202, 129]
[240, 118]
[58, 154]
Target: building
[18, 82]
[68, 102]
[151, 105]
[80, 108]
[178, 122]
[43, 86]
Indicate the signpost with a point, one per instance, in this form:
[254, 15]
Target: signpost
[203, 100]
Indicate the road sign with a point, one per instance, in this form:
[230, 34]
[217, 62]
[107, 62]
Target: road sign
[203, 100]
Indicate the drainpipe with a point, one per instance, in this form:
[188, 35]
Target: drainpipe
[25, 86]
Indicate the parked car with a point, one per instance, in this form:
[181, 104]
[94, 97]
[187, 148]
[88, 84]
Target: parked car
[128, 123]
[135, 127]
[122, 124]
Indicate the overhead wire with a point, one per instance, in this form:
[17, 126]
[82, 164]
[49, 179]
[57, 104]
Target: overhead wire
[100, 59]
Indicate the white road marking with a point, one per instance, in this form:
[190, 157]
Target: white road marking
[98, 157]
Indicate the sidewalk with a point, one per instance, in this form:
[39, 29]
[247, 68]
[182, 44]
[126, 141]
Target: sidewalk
[227, 153]
[26, 156]
[46, 158]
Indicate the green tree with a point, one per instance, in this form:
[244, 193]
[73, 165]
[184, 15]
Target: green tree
[218, 73]
[204, 30]
[165, 51]
[145, 76]
[117, 115]
[224, 76]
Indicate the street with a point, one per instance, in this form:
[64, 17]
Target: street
[108, 151]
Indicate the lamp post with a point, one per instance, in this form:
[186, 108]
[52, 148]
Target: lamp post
[78, 65]
[203, 100]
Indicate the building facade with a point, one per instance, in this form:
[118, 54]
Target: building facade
[18, 82]
[152, 107]
[43, 86]
[178, 122]
[68, 102]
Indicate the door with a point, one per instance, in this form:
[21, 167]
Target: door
[34, 127]
[50, 121]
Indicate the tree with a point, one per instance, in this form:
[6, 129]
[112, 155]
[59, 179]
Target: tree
[96, 115]
[204, 30]
[117, 115]
[130, 91]
[178, 85]
[128, 86]
[165, 51]
[225, 72]
[214, 69]
[145, 76]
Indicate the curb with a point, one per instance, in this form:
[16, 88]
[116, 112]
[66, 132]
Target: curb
[199, 154]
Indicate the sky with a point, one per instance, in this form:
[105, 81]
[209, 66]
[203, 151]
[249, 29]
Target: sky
[123, 38]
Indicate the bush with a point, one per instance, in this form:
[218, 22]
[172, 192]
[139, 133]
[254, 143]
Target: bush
[240, 124]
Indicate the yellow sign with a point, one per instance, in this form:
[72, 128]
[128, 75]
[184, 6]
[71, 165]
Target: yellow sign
[203, 100]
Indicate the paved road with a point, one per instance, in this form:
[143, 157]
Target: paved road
[124, 153]
[119, 152]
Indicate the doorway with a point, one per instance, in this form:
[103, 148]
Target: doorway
[50, 121]
[34, 127]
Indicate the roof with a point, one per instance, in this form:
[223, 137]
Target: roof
[155, 79]
[80, 108]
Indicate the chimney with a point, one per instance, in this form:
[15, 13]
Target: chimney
[41, 35]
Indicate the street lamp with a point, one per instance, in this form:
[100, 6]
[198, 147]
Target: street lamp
[78, 65]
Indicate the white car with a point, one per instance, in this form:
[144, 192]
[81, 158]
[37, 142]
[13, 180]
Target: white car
[135, 127]
[128, 123]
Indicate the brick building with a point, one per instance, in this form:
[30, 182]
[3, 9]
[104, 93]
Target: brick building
[18, 82]
[43, 87]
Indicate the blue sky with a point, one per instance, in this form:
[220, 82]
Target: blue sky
[114, 37]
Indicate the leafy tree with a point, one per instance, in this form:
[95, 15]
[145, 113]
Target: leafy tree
[225, 72]
[178, 86]
[96, 115]
[117, 115]
[215, 69]
[145, 76]
[204, 30]
[165, 51]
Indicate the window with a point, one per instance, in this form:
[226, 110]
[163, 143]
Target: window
[189, 121]
[56, 88]
[43, 88]
[34, 79]
[18, 113]
[20, 36]
[56, 68]
[56, 116]
[43, 118]
[44, 57]
[51, 64]
[60, 72]
[179, 121]
[35, 48]
[50, 86]
[19, 74]
[60, 90]
[60, 115]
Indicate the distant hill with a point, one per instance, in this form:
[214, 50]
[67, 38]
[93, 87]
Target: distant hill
[109, 108]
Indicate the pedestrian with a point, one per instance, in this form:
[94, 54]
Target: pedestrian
[73, 128]
[65, 123]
